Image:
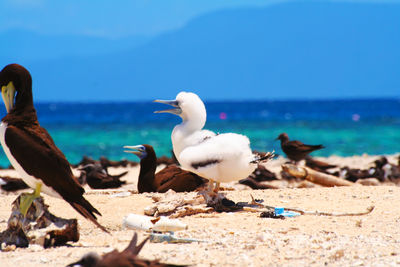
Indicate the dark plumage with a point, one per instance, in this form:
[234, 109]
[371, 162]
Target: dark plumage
[296, 150]
[257, 177]
[10, 184]
[354, 174]
[30, 148]
[318, 165]
[171, 177]
[263, 174]
[254, 184]
[127, 258]
[105, 162]
[97, 177]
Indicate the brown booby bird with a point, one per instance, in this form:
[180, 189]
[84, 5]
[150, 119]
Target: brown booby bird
[127, 258]
[171, 177]
[11, 184]
[97, 177]
[318, 165]
[32, 151]
[296, 150]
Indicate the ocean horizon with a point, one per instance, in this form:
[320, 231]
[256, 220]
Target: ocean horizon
[346, 127]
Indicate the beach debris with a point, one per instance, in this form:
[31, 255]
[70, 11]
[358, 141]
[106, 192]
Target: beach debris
[258, 203]
[271, 214]
[127, 258]
[147, 223]
[39, 226]
[338, 214]
[11, 184]
[285, 213]
[97, 177]
[219, 202]
[315, 176]
[177, 205]
[171, 238]
[121, 194]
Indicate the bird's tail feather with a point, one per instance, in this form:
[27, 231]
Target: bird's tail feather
[87, 210]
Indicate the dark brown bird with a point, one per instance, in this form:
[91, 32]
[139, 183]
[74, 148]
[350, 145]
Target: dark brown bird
[97, 177]
[127, 258]
[257, 177]
[354, 174]
[171, 177]
[318, 165]
[84, 161]
[296, 150]
[105, 162]
[32, 151]
[254, 184]
[10, 184]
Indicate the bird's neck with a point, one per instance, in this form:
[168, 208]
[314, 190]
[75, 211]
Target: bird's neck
[22, 116]
[181, 132]
[148, 167]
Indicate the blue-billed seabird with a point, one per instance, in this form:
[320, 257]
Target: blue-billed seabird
[220, 158]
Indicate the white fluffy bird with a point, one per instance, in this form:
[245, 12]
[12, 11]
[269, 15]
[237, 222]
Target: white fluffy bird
[220, 158]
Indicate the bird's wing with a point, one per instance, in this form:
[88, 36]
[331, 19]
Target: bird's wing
[297, 146]
[214, 150]
[39, 157]
[37, 154]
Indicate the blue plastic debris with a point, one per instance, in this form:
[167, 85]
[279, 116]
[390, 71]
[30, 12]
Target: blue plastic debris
[286, 213]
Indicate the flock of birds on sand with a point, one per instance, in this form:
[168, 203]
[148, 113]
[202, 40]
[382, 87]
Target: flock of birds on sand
[204, 157]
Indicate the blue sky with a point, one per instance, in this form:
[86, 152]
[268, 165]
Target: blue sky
[66, 43]
[115, 19]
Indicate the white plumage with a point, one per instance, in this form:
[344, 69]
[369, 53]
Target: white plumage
[221, 158]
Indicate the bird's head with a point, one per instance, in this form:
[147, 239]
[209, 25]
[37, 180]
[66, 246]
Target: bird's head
[16, 86]
[142, 151]
[188, 106]
[89, 260]
[283, 137]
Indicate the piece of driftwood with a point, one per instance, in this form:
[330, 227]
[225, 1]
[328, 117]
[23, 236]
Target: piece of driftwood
[176, 205]
[39, 226]
[315, 176]
[306, 212]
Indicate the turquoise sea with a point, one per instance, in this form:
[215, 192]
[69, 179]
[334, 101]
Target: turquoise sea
[345, 127]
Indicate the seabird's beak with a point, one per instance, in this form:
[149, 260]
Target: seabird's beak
[176, 110]
[8, 93]
[139, 150]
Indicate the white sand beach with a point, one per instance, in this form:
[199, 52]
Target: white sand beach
[240, 238]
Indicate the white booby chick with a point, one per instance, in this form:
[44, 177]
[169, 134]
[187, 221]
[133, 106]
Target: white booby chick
[220, 158]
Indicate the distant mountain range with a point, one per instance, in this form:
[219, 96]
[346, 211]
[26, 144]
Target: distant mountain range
[290, 50]
[23, 45]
